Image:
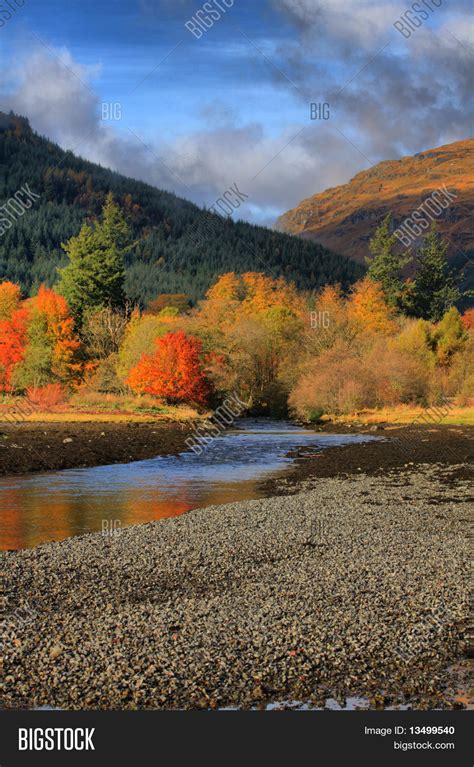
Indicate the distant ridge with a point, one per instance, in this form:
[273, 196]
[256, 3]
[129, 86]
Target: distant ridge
[343, 218]
[169, 257]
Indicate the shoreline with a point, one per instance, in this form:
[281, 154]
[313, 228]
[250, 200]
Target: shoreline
[401, 450]
[52, 446]
[317, 595]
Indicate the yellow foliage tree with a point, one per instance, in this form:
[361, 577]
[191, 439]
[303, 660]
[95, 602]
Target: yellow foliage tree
[369, 310]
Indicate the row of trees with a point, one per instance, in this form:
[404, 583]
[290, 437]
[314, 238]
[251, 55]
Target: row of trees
[433, 288]
[391, 339]
[253, 335]
[95, 273]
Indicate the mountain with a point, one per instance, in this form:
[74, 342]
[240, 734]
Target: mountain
[344, 217]
[180, 248]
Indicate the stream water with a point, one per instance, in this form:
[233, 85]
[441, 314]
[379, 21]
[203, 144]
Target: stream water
[50, 506]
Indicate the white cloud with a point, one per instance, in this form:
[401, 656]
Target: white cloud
[60, 103]
[412, 96]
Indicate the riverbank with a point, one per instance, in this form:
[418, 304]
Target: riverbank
[401, 449]
[46, 446]
[358, 587]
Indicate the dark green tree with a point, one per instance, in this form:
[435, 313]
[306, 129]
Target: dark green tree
[175, 252]
[95, 274]
[385, 266]
[434, 289]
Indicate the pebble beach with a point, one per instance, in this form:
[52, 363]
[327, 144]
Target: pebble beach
[352, 587]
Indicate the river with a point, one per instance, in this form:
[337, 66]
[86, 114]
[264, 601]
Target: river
[51, 506]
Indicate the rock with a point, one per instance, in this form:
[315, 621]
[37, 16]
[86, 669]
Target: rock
[68, 439]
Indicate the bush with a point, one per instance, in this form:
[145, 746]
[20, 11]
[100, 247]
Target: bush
[46, 397]
[105, 378]
[315, 415]
[336, 382]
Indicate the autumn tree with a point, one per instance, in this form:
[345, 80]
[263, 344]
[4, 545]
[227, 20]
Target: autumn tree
[449, 336]
[217, 312]
[369, 309]
[103, 331]
[9, 299]
[253, 323]
[51, 342]
[173, 371]
[95, 274]
[140, 336]
[12, 346]
[468, 320]
[328, 321]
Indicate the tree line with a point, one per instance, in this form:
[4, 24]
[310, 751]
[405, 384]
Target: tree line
[386, 340]
[164, 254]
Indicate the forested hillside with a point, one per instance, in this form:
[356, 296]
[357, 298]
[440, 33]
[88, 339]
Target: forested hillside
[176, 251]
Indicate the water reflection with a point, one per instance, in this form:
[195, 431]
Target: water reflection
[55, 505]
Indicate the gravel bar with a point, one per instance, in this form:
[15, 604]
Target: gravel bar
[355, 587]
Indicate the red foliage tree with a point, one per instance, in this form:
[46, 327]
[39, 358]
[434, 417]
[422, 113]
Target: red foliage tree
[468, 319]
[174, 371]
[13, 333]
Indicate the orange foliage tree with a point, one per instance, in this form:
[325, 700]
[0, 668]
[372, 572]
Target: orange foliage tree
[50, 342]
[468, 319]
[252, 322]
[369, 309]
[9, 299]
[59, 330]
[174, 371]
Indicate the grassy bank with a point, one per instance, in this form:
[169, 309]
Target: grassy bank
[107, 408]
[405, 414]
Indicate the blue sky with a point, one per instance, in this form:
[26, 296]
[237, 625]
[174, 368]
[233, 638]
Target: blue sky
[127, 40]
[233, 106]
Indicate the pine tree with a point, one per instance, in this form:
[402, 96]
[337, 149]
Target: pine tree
[385, 266]
[434, 288]
[95, 274]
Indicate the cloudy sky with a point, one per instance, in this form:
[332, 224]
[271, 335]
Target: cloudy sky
[232, 102]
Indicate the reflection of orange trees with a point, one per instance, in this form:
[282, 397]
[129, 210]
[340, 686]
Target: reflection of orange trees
[62, 515]
[140, 509]
[13, 524]
[27, 519]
